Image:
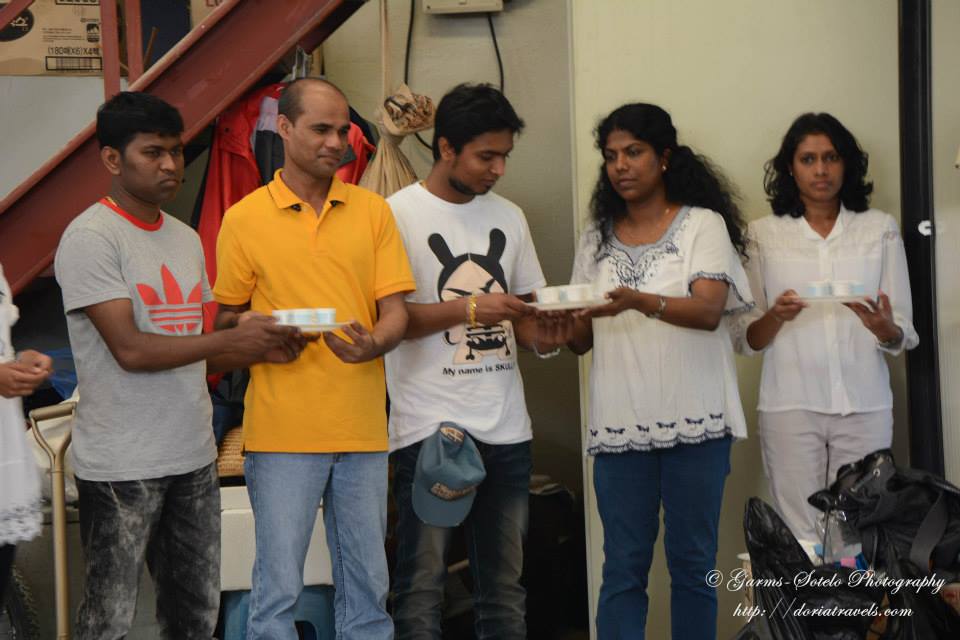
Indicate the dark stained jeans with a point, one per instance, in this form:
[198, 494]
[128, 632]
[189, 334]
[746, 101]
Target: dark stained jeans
[495, 532]
[174, 524]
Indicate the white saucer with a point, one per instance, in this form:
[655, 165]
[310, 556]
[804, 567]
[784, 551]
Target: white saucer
[837, 299]
[566, 305]
[316, 328]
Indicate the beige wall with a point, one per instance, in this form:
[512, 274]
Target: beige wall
[447, 50]
[734, 74]
[946, 192]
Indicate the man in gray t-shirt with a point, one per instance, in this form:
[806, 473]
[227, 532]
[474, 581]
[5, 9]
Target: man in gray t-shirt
[133, 425]
[134, 284]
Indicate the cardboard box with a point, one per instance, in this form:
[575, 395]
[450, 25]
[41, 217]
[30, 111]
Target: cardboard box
[53, 38]
[200, 9]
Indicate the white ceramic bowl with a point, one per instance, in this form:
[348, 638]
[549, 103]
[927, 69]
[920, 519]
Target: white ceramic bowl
[580, 292]
[325, 315]
[548, 295]
[303, 316]
[818, 289]
[283, 316]
[567, 293]
[842, 287]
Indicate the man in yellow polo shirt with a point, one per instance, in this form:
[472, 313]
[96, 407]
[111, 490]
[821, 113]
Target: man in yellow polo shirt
[317, 428]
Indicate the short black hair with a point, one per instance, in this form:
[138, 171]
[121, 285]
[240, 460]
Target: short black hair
[290, 104]
[470, 110]
[778, 182]
[128, 113]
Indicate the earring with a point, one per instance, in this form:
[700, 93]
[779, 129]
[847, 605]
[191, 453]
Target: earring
[663, 167]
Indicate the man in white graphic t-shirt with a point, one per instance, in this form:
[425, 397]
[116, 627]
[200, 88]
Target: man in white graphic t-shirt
[475, 267]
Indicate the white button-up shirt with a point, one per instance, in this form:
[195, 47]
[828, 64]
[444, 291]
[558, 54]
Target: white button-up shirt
[825, 360]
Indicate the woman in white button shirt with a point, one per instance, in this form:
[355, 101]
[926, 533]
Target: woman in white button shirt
[825, 396]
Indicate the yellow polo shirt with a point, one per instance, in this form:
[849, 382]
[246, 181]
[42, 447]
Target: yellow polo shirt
[275, 256]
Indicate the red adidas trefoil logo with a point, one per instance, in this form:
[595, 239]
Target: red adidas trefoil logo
[173, 315]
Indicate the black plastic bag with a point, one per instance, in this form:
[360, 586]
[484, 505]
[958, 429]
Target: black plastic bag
[911, 514]
[786, 584]
[775, 558]
[908, 522]
[756, 629]
[830, 587]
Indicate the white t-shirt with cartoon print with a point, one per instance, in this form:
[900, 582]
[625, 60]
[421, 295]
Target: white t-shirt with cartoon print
[462, 375]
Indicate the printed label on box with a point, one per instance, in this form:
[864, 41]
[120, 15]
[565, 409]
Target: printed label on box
[53, 37]
[200, 9]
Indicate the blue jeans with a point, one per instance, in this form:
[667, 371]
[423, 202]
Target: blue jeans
[495, 532]
[285, 491]
[688, 481]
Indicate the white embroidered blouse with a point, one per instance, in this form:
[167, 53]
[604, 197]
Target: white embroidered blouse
[652, 384]
[825, 360]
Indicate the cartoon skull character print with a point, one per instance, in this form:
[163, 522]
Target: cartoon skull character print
[474, 273]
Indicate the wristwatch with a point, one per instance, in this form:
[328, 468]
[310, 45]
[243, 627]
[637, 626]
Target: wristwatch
[655, 315]
[893, 342]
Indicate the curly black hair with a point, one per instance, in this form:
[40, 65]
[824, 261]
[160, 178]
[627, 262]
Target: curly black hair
[689, 179]
[781, 188]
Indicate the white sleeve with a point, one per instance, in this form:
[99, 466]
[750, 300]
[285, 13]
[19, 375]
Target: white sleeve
[527, 274]
[8, 317]
[895, 282]
[754, 270]
[398, 206]
[713, 257]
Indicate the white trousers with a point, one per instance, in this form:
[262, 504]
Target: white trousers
[802, 451]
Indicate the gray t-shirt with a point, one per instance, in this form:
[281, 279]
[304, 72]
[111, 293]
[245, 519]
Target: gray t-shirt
[135, 425]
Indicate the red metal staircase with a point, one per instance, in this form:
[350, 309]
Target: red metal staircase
[205, 72]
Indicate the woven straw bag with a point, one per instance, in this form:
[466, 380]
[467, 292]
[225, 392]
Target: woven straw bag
[230, 454]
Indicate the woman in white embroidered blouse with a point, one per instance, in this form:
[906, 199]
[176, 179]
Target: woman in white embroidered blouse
[825, 396]
[664, 402]
[19, 481]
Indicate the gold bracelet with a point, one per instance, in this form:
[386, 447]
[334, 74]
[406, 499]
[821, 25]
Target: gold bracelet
[472, 311]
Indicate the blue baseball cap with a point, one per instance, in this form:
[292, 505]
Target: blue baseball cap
[449, 469]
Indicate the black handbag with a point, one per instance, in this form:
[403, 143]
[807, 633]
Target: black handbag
[908, 523]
